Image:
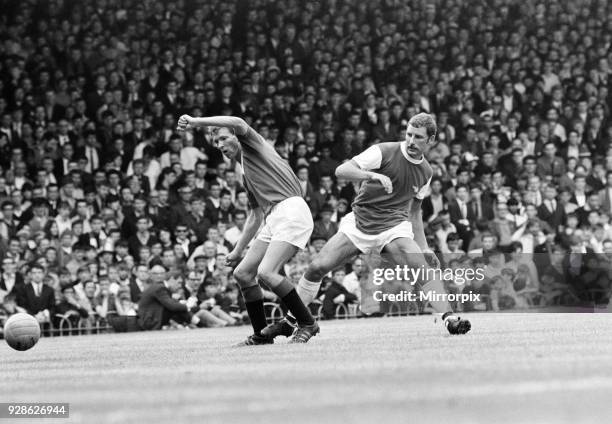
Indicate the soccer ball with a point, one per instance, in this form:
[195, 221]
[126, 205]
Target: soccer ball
[21, 331]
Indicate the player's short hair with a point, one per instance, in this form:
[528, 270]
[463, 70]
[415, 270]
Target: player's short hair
[424, 120]
[215, 130]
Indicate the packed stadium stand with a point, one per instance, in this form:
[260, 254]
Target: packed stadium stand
[99, 189]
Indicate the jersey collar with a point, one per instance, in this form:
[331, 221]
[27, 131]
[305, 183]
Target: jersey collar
[408, 157]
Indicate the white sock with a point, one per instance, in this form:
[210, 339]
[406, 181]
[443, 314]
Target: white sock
[307, 290]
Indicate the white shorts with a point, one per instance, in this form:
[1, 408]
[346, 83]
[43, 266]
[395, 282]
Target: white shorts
[373, 243]
[289, 221]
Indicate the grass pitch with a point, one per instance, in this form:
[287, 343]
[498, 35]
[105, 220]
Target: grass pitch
[532, 368]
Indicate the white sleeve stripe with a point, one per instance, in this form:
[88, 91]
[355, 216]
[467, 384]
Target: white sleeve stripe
[371, 158]
[424, 191]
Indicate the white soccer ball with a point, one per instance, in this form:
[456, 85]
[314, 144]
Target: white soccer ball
[21, 331]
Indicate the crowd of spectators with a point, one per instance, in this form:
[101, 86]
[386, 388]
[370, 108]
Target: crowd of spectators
[100, 195]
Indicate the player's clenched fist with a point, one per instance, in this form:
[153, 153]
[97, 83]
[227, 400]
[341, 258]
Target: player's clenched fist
[184, 123]
[384, 180]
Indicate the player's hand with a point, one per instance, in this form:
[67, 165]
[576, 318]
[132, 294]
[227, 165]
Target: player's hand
[384, 180]
[185, 122]
[232, 258]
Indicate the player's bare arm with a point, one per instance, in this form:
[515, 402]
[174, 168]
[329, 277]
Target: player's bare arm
[231, 132]
[351, 171]
[238, 125]
[252, 224]
[416, 218]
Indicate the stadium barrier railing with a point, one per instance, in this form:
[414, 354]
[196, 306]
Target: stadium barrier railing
[72, 324]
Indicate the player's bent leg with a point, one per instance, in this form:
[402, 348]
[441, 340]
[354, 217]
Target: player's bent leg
[277, 255]
[279, 252]
[246, 271]
[245, 274]
[337, 250]
[405, 251]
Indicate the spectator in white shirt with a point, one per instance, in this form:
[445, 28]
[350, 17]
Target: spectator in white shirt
[233, 234]
[351, 280]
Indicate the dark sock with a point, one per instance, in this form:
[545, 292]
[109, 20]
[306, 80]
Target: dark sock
[257, 314]
[253, 300]
[252, 293]
[283, 288]
[297, 308]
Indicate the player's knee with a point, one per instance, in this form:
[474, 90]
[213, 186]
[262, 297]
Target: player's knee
[317, 269]
[266, 275]
[243, 276]
[396, 249]
[404, 255]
